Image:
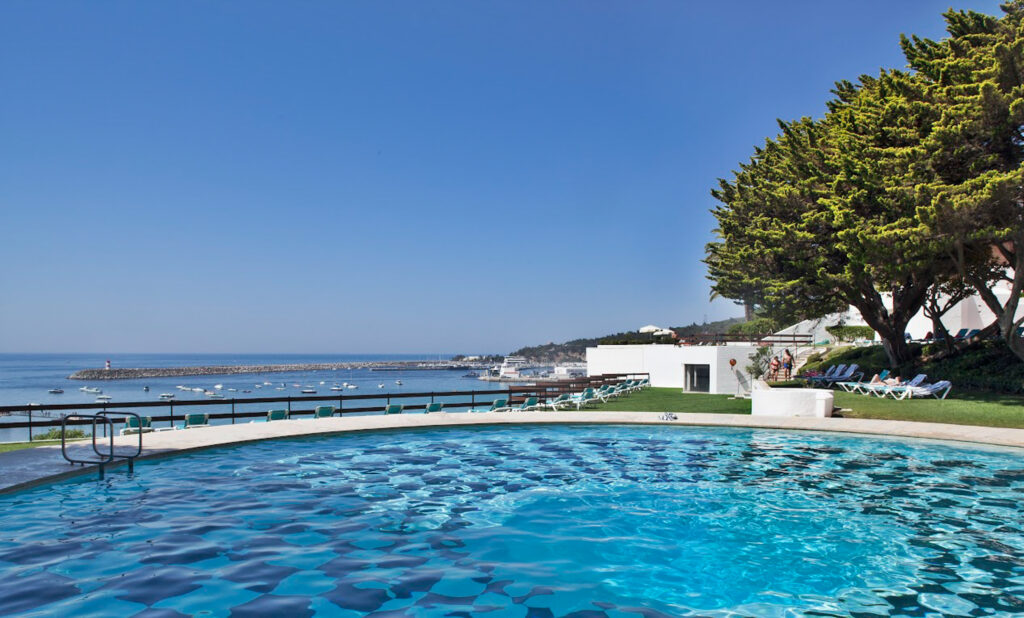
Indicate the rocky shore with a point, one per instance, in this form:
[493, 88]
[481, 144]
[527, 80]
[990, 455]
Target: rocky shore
[213, 370]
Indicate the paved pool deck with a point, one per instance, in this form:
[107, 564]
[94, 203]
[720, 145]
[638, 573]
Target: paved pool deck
[28, 467]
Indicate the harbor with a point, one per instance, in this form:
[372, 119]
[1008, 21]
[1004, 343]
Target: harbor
[129, 373]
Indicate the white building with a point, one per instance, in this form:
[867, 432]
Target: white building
[970, 313]
[693, 368]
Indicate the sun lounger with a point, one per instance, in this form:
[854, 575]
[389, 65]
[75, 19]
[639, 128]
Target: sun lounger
[855, 386]
[845, 376]
[558, 402]
[277, 415]
[529, 404]
[323, 412]
[833, 371]
[437, 406]
[496, 405]
[588, 395]
[131, 425]
[197, 420]
[897, 389]
[394, 408]
[939, 390]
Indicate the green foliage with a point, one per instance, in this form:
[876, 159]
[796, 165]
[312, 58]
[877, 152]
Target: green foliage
[54, 434]
[850, 333]
[987, 366]
[575, 350]
[909, 182]
[757, 326]
[759, 361]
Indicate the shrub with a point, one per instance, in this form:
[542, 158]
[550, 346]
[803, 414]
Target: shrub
[850, 333]
[759, 361]
[54, 434]
[757, 326]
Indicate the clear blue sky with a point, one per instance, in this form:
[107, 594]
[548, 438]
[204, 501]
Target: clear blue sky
[389, 176]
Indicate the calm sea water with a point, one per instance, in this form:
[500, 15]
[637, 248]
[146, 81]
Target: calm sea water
[26, 378]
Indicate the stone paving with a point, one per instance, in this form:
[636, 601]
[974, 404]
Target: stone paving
[27, 467]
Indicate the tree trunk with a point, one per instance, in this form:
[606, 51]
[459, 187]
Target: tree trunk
[1005, 313]
[892, 326]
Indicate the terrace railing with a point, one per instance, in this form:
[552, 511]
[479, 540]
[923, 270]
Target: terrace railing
[240, 409]
[765, 339]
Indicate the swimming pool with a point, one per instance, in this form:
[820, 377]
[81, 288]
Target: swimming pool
[530, 521]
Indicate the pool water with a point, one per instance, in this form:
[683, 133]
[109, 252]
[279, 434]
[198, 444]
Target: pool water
[530, 521]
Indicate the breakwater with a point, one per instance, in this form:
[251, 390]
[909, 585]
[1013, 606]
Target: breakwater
[214, 370]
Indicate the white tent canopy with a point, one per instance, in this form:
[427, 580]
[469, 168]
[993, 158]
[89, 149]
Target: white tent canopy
[650, 328]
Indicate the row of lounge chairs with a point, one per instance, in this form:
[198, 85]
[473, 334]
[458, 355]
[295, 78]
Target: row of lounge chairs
[916, 387]
[144, 424]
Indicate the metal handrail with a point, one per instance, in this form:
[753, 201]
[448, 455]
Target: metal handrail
[102, 458]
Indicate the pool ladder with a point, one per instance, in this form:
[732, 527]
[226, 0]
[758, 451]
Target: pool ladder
[102, 458]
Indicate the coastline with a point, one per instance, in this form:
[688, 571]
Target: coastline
[134, 373]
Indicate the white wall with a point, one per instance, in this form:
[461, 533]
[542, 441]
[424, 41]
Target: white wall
[665, 363]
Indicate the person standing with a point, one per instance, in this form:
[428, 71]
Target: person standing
[773, 369]
[787, 364]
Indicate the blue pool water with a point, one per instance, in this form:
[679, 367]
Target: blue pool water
[551, 521]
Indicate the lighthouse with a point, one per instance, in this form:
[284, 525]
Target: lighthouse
[108, 365]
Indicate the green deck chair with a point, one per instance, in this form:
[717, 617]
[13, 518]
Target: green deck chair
[197, 419]
[277, 415]
[394, 408]
[131, 425]
[499, 404]
[323, 412]
[434, 407]
[529, 404]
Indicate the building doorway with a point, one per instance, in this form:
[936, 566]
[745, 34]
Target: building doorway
[697, 378]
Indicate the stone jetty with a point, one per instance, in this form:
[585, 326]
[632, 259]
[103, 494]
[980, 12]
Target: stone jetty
[214, 370]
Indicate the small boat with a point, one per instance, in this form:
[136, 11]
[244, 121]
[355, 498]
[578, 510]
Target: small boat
[218, 386]
[182, 388]
[398, 382]
[56, 391]
[352, 386]
[91, 389]
[308, 391]
[166, 396]
[103, 398]
[321, 382]
[266, 384]
[258, 385]
[232, 390]
[198, 390]
[278, 388]
[337, 388]
[213, 395]
[145, 389]
[247, 391]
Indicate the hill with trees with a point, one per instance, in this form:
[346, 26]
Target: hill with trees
[575, 350]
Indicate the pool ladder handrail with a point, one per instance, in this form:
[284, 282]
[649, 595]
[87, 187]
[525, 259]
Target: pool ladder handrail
[102, 458]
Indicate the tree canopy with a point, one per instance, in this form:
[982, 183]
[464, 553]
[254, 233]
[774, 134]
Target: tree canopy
[911, 180]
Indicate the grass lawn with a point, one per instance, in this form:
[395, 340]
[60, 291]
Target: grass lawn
[672, 400]
[985, 409]
[17, 446]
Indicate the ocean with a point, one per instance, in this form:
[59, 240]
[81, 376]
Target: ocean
[26, 378]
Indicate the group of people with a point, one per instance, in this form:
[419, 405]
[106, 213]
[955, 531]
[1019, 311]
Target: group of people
[786, 364]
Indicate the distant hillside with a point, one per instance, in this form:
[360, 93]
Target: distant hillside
[575, 350]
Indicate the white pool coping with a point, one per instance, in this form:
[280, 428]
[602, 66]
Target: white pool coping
[27, 467]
